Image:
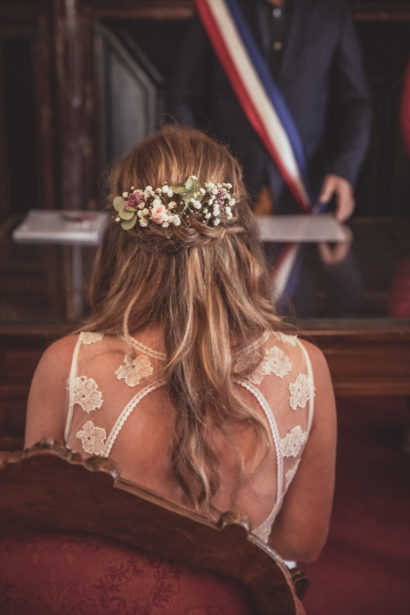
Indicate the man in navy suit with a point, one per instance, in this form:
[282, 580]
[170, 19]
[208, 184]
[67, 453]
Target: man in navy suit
[314, 55]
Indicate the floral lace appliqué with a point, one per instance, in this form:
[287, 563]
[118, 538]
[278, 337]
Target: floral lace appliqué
[275, 361]
[287, 339]
[134, 370]
[89, 337]
[87, 394]
[299, 392]
[92, 438]
[292, 443]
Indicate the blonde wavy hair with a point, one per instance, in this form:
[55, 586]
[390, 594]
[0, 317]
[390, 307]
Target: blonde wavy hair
[205, 287]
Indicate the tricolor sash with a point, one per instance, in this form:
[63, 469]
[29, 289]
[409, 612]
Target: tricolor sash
[258, 94]
[266, 110]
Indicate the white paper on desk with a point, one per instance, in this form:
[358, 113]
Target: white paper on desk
[61, 227]
[301, 228]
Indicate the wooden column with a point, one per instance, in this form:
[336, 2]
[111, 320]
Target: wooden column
[77, 93]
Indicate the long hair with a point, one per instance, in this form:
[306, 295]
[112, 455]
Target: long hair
[205, 287]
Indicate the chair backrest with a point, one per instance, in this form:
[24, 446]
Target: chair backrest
[50, 496]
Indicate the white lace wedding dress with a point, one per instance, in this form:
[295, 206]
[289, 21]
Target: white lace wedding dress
[118, 407]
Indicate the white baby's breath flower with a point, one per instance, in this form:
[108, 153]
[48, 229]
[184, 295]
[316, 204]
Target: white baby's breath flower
[207, 216]
[143, 222]
[124, 195]
[165, 189]
[202, 190]
[171, 205]
[158, 190]
[164, 224]
[170, 193]
[196, 204]
[145, 211]
[214, 190]
[209, 185]
[216, 221]
[232, 201]
[156, 202]
[176, 220]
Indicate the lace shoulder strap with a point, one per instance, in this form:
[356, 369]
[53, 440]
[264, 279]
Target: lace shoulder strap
[129, 408]
[273, 430]
[311, 384]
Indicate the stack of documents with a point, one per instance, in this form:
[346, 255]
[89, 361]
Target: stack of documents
[301, 228]
[62, 227]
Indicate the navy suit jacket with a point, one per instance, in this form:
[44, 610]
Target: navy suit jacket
[321, 78]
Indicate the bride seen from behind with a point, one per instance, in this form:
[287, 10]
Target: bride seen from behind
[183, 374]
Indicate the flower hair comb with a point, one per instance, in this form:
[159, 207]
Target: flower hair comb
[175, 205]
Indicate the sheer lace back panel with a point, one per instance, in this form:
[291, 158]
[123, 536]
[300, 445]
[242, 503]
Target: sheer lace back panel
[118, 407]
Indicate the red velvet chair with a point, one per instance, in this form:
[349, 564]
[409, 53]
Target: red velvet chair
[76, 538]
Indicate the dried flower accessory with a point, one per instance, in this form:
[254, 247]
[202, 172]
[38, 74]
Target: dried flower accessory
[175, 205]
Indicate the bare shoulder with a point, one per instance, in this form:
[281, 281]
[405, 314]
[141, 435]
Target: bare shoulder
[46, 401]
[318, 361]
[302, 525]
[58, 356]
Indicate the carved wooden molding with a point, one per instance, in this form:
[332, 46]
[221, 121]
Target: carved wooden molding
[139, 9]
[48, 488]
[183, 9]
[371, 359]
[380, 11]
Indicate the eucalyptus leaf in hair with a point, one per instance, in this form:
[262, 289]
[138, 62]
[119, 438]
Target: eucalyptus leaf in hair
[126, 215]
[190, 190]
[178, 188]
[127, 225]
[118, 203]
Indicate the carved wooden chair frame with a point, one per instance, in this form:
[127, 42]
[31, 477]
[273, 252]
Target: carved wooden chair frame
[47, 488]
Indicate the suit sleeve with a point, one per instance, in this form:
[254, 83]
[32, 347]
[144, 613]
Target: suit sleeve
[191, 88]
[354, 114]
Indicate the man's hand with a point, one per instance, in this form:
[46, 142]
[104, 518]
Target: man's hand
[343, 191]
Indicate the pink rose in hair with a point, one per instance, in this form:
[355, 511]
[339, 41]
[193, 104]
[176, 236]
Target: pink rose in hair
[159, 213]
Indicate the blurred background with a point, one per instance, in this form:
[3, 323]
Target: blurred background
[81, 81]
